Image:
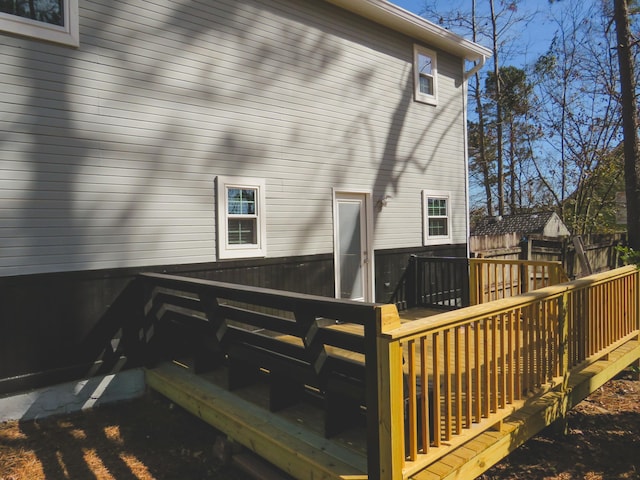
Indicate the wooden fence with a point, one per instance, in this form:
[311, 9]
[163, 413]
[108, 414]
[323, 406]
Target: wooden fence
[600, 251]
[479, 364]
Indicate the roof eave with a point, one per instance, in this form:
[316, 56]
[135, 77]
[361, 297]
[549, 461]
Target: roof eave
[400, 20]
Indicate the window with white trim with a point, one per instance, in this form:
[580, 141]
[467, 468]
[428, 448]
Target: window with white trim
[436, 207]
[425, 75]
[241, 209]
[50, 20]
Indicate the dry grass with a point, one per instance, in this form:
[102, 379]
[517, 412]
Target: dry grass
[151, 439]
[145, 439]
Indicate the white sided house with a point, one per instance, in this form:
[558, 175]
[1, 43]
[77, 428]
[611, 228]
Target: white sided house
[303, 145]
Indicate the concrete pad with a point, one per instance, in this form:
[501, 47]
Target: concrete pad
[72, 396]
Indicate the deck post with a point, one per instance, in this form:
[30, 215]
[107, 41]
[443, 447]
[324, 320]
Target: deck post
[524, 277]
[635, 370]
[385, 414]
[411, 293]
[554, 274]
[561, 425]
[473, 282]
[636, 301]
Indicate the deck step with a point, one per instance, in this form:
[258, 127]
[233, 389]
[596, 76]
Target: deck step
[306, 455]
[292, 448]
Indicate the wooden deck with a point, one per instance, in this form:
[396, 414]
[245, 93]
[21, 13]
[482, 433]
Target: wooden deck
[471, 459]
[244, 415]
[207, 396]
[295, 436]
[579, 336]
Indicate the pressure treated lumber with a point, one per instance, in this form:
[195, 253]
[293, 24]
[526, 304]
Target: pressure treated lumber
[489, 448]
[499, 373]
[291, 448]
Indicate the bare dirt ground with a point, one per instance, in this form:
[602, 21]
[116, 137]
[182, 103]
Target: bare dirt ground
[602, 442]
[149, 438]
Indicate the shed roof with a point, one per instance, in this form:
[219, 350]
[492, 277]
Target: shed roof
[523, 223]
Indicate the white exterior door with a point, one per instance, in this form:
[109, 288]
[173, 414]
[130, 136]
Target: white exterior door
[352, 246]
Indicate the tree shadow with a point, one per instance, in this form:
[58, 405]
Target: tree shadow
[148, 438]
[117, 170]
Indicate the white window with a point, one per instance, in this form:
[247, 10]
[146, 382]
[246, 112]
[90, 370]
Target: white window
[241, 217]
[436, 207]
[51, 20]
[425, 75]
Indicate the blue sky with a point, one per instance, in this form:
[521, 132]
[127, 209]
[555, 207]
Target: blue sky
[537, 36]
[412, 5]
[532, 41]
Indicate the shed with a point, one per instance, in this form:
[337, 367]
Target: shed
[541, 224]
[504, 233]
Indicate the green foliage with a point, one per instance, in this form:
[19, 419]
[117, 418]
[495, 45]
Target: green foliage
[515, 90]
[629, 256]
[592, 207]
[546, 64]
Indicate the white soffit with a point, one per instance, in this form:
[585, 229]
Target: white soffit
[400, 20]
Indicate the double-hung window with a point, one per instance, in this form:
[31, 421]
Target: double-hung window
[436, 206]
[50, 20]
[425, 75]
[241, 217]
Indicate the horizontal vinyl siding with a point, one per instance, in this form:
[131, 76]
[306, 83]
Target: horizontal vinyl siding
[110, 151]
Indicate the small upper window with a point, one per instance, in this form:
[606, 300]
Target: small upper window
[241, 217]
[436, 207]
[425, 75]
[51, 20]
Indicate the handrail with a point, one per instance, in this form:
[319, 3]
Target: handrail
[468, 369]
[458, 317]
[206, 314]
[492, 279]
[454, 282]
[436, 282]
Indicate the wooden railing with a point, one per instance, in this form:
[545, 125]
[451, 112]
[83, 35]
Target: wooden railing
[436, 282]
[468, 369]
[492, 279]
[325, 343]
[441, 282]
[430, 384]
[455, 282]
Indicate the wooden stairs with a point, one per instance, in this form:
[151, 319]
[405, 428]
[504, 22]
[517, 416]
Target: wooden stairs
[294, 446]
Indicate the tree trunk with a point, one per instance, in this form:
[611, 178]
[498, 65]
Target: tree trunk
[629, 122]
[482, 152]
[498, 92]
[512, 168]
[32, 9]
